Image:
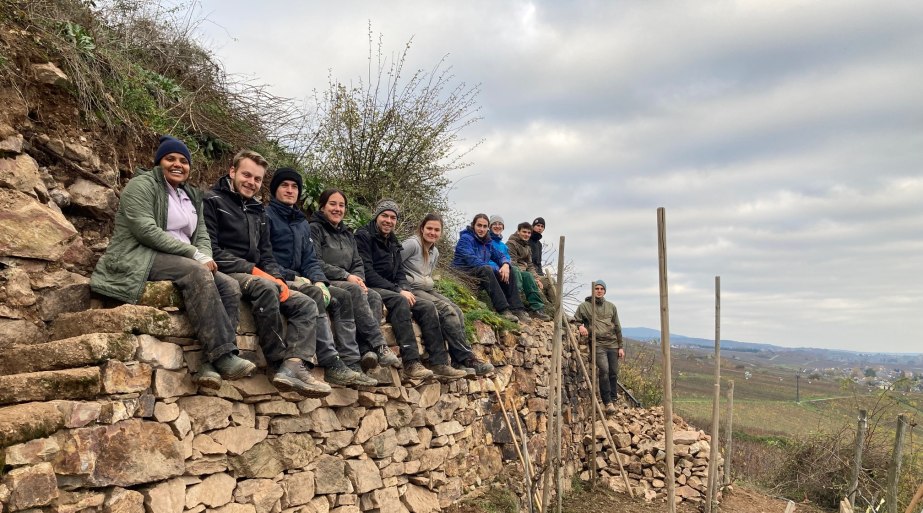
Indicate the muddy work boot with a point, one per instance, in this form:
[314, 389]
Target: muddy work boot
[338, 373]
[540, 315]
[232, 366]
[386, 357]
[521, 315]
[364, 380]
[208, 377]
[610, 409]
[444, 371]
[481, 368]
[416, 370]
[369, 361]
[508, 315]
[293, 376]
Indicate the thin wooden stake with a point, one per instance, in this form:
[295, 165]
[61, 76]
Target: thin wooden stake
[861, 429]
[667, 365]
[552, 446]
[559, 376]
[594, 383]
[598, 408]
[522, 459]
[894, 470]
[916, 498]
[729, 440]
[711, 502]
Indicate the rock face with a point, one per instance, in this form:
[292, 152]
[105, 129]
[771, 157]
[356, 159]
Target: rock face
[29, 229]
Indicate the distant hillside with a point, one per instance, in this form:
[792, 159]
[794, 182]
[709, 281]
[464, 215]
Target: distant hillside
[641, 333]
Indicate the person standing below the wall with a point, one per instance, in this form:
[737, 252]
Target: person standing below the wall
[609, 344]
[160, 234]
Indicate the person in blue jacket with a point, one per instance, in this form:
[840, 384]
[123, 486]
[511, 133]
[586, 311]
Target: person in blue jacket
[476, 256]
[293, 249]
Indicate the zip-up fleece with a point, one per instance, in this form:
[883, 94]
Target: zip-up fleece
[521, 254]
[419, 273]
[239, 231]
[382, 258]
[607, 328]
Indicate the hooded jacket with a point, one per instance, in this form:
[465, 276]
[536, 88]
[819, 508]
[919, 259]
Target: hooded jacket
[535, 243]
[607, 327]
[239, 231]
[140, 232]
[472, 251]
[336, 247]
[381, 256]
[292, 246]
[497, 242]
[419, 274]
[521, 253]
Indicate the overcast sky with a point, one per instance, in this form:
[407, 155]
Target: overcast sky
[784, 139]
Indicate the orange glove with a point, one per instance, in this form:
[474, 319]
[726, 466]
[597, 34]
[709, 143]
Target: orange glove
[283, 288]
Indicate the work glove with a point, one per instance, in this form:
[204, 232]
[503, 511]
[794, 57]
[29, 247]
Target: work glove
[301, 281]
[283, 288]
[326, 290]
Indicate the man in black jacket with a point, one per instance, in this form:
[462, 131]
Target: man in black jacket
[239, 232]
[535, 244]
[381, 255]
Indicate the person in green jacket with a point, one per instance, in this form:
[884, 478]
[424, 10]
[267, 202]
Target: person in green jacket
[160, 234]
[609, 344]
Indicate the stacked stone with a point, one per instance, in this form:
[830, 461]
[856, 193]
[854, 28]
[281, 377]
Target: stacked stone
[639, 437]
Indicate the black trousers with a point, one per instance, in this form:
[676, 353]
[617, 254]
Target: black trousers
[425, 313]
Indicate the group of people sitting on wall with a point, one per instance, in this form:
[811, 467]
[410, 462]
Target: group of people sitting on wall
[224, 245]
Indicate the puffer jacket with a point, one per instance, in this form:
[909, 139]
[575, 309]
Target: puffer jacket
[607, 327]
[419, 273]
[140, 225]
[382, 258]
[292, 246]
[521, 254]
[535, 243]
[472, 251]
[336, 247]
[239, 231]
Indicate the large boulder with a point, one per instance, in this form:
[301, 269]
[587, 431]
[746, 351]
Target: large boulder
[29, 229]
[22, 174]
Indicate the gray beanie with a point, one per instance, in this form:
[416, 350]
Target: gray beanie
[494, 219]
[386, 204]
[602, 284]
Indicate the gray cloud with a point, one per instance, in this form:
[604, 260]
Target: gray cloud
[784, 140]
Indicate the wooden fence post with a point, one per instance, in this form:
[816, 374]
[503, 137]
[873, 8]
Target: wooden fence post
[729, 438]
[857, 458]
[594, 383]
[559, 375]
[894, 470]
[711, 495]
[667, 365]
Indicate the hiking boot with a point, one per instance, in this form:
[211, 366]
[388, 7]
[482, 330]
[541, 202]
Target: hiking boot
[232, 366]
[481, 368]
[293, 376]
[610, 408]
[521, 315]
[469, 371]
[540, 315]
[338, 373]
[416, 370]
[508, 315]
[364, 380]
[447, 372]
[369, 361]
[208, 377]
[386, 357]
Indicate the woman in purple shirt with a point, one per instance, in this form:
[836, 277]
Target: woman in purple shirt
[160, 234]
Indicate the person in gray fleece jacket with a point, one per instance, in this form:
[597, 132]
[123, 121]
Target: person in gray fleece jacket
[419, 258]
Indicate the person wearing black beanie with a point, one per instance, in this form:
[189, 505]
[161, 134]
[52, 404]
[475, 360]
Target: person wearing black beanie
[286, 173]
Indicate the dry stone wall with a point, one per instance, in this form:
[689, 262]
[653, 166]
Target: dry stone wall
[99, 413]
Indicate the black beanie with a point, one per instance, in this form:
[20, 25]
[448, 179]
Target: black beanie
[282, 174]
[168, 145]
[539, 220]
